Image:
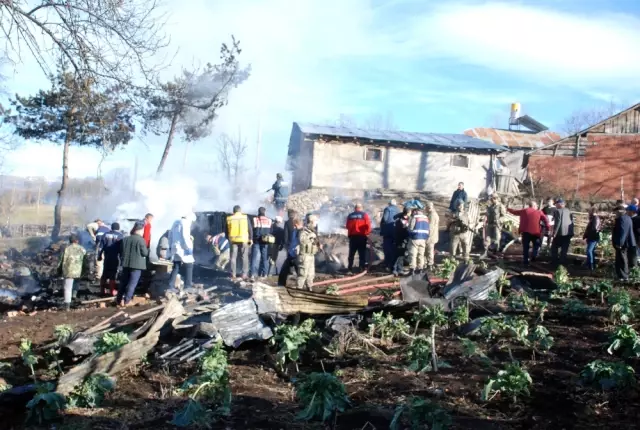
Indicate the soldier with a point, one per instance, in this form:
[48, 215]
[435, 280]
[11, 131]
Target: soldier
[458, 230]
[70, 268]
[306, 254]
[418, 235]
[434, 236]
[495, 213]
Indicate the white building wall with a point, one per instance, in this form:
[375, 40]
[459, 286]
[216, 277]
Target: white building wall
[343, 165]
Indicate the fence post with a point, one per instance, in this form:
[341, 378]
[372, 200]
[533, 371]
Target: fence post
[22, 230]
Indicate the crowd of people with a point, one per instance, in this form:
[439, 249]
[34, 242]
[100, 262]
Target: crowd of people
[249, 247]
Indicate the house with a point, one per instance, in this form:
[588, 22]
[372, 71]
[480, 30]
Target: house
[356, 159]
[600, 161]
[514, 139]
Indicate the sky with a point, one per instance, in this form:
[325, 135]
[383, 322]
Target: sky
[433, 66]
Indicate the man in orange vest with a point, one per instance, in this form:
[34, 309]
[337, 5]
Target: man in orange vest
[239, 233]
[262, 238]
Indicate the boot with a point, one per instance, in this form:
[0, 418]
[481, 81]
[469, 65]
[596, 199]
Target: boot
[67, 307]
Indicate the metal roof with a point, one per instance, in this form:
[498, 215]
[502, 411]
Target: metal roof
[441, 141]
[594, 127]
[514, 139]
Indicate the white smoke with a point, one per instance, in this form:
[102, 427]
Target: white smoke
[171, 196]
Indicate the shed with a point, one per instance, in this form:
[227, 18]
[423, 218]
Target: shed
[352, 158]
[600, 161]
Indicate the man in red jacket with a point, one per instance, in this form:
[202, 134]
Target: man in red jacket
[531, 219]
[146, 234]
[358, 230]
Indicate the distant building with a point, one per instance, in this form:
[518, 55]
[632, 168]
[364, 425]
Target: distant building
[597, 162]
[357, 159]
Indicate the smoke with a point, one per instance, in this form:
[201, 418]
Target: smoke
[171, 196]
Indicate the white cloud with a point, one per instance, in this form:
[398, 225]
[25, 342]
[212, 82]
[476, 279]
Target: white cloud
[579, 49]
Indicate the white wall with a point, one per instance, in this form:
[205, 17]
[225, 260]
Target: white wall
[343, 165]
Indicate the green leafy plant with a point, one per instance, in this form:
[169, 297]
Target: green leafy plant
[291, 341]
[28, 357]
[491, 328]
[460, 314]
[448, 266]
[211, 383]
[470, 349]
[45, 406]
[495, 296]
[433, 317]
[564, 285]
[624, 340]
[419, 354]
[540, 339]
[110, 342]
[388, 327]
[519, 301]
[540, 308]
[62, 333]
[512, 382]
[332, 290]
[621, 307]
[576, 308]
[90, 394]
[502, 283]
[606, 245]
[607, 375]
[634, 273]
[600, 289]
[321, 395]
[420, 413]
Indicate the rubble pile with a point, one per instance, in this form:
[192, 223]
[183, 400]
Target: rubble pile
[308, 201]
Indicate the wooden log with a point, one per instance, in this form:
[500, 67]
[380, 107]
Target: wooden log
[291, 301]
[111, 363]
[105, 299]
[366, 281]
[104, 323]
[339, 280]
[114, 362]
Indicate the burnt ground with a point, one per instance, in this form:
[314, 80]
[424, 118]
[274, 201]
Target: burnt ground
[263, 398]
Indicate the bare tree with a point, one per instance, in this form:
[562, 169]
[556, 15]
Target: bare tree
[8, 204]
[374, 122]
[101, 40]
[584, 118]
[231, 153]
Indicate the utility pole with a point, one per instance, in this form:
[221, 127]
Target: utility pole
[135, 177]
[258, 144]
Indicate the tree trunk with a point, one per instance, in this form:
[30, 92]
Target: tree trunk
[57, 211]
[167, 147]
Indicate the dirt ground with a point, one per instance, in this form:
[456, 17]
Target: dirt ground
[263, 398]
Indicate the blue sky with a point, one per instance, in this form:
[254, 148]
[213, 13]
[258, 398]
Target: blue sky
[433, 66]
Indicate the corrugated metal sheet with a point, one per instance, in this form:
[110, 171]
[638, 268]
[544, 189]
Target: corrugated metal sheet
[441, 141]
[514, 139]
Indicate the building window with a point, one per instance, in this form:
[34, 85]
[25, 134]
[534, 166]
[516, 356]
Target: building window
[458, 160]
[373, 154]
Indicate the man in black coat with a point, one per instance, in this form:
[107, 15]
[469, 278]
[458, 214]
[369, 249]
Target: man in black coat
[458, 195]
[624, 242]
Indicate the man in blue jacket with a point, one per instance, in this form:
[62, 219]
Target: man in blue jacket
[624, 242]
[387, 231]
[459, 195]
[109, 251]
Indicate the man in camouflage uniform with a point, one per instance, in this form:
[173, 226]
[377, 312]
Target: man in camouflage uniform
[307, 253]
[495, 214]
[70, 268]
[434, 226]
[458, 230]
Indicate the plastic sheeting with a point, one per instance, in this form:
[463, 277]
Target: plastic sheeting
[239, 322]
